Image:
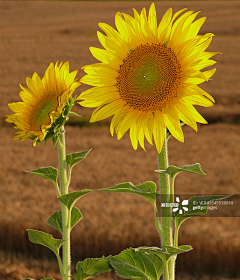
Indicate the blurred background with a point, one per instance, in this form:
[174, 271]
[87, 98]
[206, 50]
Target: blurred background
[35, 33]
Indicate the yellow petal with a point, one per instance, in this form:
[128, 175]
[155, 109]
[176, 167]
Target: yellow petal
[133, 136]
[106, 111]
[152, 19]
[159, 130]
[127, 122]
[185, 114]
[172, 122]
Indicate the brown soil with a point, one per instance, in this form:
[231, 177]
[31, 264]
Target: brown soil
[33, 34]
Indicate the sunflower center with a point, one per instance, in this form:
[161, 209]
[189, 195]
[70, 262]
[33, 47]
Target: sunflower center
[149, 77]
[40, 113]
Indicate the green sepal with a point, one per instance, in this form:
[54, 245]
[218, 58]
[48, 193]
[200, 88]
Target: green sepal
[133, 264]
[56, 129]
[55, 220]
[55, 137]
[173, 170]
[166, 252]
[45, 239]
[92, 267]
[58, 122]
[73, 114]
[197, 206]
[74, 158]
[71, 198]
[146, 190]
[50, 173]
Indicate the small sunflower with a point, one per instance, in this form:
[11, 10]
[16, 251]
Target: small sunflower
[44, 102]
[148, 76]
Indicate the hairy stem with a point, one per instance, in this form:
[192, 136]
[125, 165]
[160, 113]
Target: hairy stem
[65, 212]
[157, 222]
[166, 219]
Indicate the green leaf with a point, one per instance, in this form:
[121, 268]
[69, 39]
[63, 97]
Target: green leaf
[92, 267]
[55, 220]
[179, 250]
[166, 252]
[146, 190]
[76, 216]
[42, 238]
[173, 170]
[50, 173]
[162, 254]
[197, 206]
[133, 264]
[74, 158]
[71, 198]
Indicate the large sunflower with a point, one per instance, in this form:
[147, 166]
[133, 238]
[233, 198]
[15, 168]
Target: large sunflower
[148, 75]
[43, 102]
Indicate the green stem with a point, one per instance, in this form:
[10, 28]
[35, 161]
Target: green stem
[65, 212]
[166, 219]
[60, 264]
[166, 272]
[58, 190]
[172, 189]
[176, 235]
[157, 222]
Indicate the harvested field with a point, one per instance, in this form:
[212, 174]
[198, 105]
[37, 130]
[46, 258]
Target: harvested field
[35, 33]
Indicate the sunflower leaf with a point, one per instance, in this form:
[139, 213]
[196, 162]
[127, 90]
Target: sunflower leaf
[146, 190]
[74, 158]
[173, 170]
[133, 264]
[55, 220]
[92, 267]
[50, 173]
[166, 252]
[71, 198]
[76, 216]
[45, 239]
[197, 206]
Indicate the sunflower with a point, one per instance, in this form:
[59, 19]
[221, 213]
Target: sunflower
[148, 76]
[43, 103]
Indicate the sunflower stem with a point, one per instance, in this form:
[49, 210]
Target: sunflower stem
[166, 194]
[157, 222]
[65, 212]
